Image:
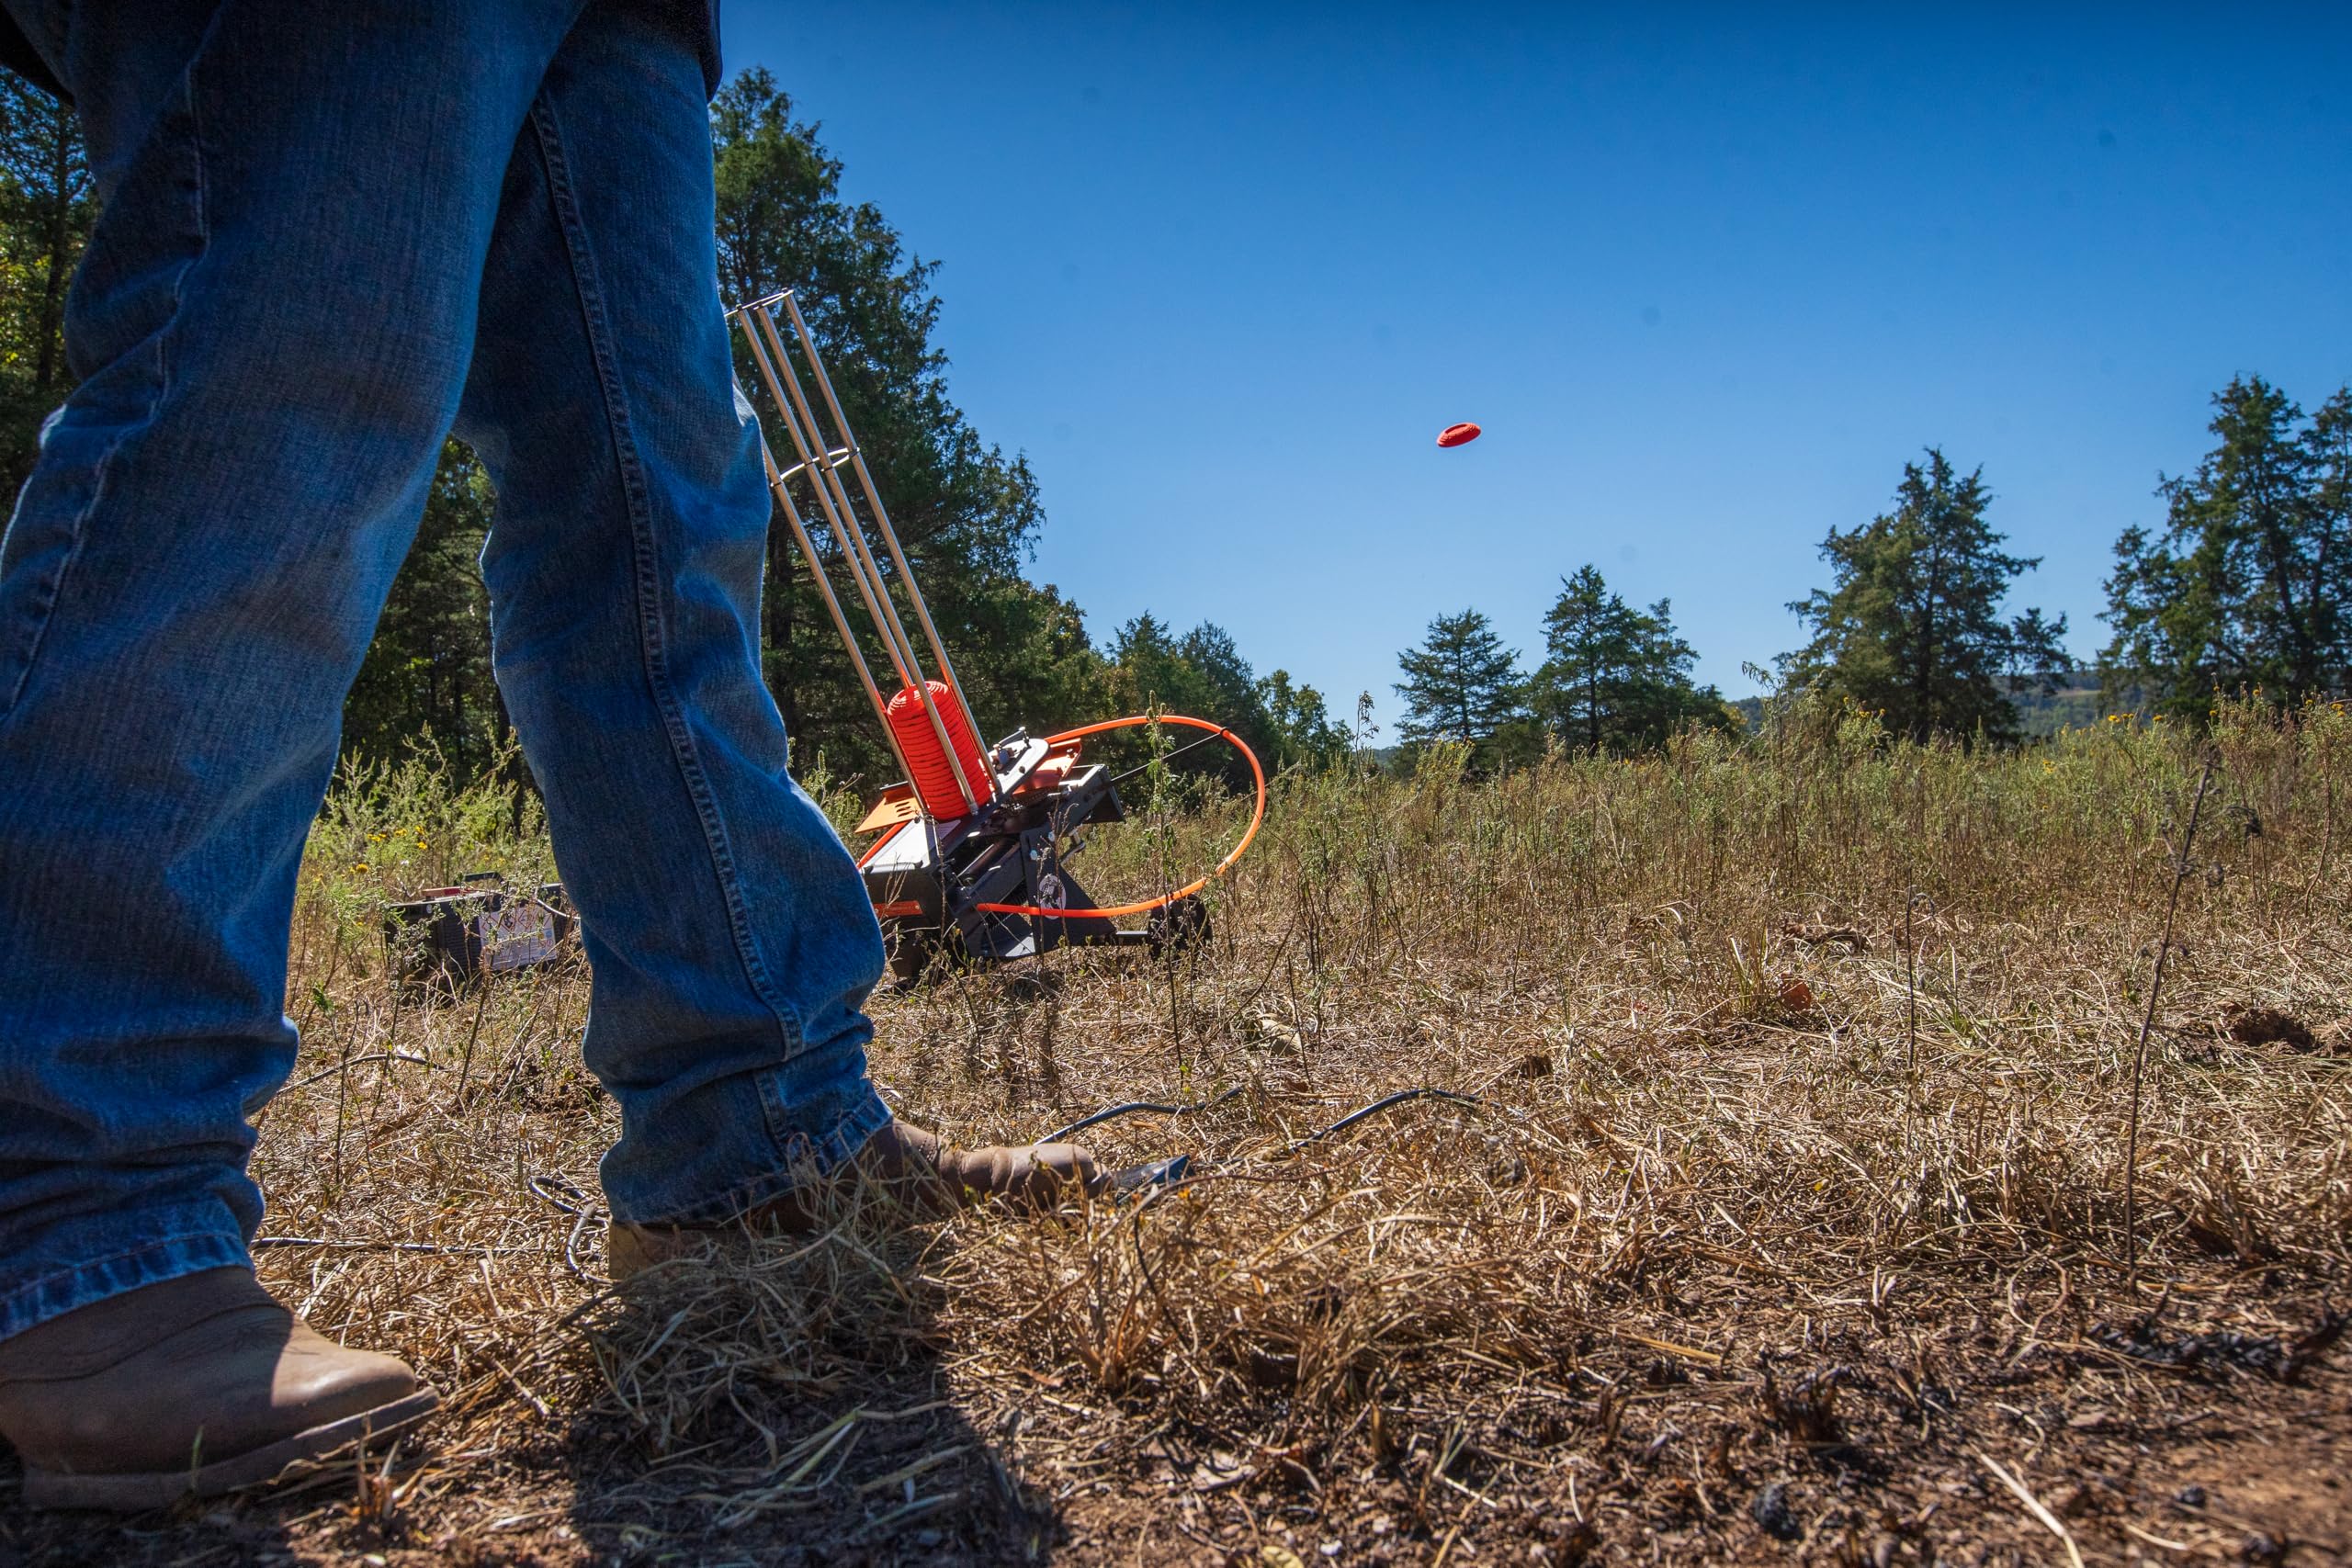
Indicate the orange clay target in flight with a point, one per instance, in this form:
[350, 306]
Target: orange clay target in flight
[1457, 434]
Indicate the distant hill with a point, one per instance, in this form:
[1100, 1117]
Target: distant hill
[2041, 715]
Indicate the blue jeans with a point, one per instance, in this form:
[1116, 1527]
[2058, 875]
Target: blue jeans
[331, 235]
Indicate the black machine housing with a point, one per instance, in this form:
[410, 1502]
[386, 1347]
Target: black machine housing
[447, 937]
[928, 878]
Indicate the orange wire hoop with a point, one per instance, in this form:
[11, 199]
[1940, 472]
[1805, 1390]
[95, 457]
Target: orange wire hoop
[1256, 816]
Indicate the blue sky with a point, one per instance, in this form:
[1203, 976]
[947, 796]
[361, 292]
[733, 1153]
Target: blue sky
[1706, 277]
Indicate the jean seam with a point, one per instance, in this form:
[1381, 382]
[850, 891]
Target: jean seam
[76, 533]
[652, 642]
[85, 1265]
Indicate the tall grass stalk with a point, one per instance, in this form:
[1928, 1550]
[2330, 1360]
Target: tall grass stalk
[2147, 1022]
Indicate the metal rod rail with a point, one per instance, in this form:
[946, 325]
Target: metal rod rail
[882, 517]
[825, 480]
[833, 500]
[832, 601]
[900, 649]
[782, 490]
[777, 482]
[802, 419]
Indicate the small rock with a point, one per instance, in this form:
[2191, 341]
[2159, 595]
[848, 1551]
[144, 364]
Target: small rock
[1572, 1543]
[1773, 1512]
[2190, 1497]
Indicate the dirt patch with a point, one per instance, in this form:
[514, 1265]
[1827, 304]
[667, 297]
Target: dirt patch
[2268, 1026]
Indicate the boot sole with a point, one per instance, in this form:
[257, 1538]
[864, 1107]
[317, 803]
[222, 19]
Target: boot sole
[288, 1459]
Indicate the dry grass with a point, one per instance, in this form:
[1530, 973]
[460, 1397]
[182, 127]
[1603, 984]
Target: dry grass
[1788, 1220]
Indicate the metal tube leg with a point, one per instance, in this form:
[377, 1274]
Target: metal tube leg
[825, 589]
[881, 516]
[831, 494]
[901, 651]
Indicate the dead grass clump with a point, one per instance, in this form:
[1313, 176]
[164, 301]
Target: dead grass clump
[705, 1342]
[1279, 1285]
[1805, 1408]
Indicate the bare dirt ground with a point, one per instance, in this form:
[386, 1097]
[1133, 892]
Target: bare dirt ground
[1787, 1226]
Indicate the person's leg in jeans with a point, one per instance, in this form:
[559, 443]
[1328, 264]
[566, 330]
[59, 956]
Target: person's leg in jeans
[272, 324]
[729, 937]
[276, 320]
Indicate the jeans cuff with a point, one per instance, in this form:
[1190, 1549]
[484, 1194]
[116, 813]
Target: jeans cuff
[706, 1156]
[77, 1262]
[799, 1156]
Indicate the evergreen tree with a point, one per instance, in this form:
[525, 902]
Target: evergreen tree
[1305, 735]
[1911, 627]
[427, 678]
[1201, 675]
[47, 204]
[1618, 679]
[1461, 685]
[2250, 584]
[1149, 670]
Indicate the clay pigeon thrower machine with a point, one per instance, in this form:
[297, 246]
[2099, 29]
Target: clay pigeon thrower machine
[970, 859]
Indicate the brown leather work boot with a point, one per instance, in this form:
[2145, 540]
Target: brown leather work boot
[919, 1170]
[201, 1384]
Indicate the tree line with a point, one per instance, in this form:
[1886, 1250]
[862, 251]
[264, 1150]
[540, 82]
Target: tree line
[2243, 586]
[2247, 587]
[1615, 679]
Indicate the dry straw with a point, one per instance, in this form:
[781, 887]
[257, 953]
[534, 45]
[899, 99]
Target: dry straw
[1807, 1067]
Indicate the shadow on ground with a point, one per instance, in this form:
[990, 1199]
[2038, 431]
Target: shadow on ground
[791, 1406]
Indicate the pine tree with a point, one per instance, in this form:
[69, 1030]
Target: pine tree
[427, 679]
[1202, 674]
[2250, 584]
[1911, 627]
[1618, 679]
[1462, 684]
